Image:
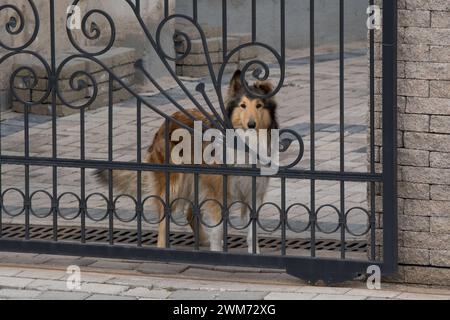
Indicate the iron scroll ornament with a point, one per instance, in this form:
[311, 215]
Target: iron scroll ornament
[218, 120]
[80, 79]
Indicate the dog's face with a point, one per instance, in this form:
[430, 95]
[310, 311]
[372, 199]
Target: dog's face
[246, 112]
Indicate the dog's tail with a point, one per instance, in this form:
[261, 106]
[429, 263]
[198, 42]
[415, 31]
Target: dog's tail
[124, 181]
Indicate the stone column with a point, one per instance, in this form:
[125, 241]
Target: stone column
[424, 141]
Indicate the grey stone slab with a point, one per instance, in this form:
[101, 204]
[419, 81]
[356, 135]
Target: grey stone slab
[63, 295]
[42, 274]
[9, 271]
[13, 282]
[47, 285]
[216, 295]
[142, 292]
[289, 296]
[338, 297]
[109, 297]
[161, 268]
[19, 294]
[105, 264]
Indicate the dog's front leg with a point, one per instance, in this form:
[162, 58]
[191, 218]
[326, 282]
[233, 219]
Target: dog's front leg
[216, 238]
[250, 235]
[213, 215]
[162, 229]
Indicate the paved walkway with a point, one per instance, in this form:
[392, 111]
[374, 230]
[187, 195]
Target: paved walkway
[28, 276]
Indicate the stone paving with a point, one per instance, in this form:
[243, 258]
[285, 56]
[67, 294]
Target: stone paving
[44, 277]
[294, 113]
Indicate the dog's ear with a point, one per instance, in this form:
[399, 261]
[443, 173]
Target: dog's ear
[264, 86]
[235, 83]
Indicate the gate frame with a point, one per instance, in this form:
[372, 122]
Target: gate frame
[309, 268]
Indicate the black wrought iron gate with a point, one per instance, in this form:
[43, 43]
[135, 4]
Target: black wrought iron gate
[85, 238]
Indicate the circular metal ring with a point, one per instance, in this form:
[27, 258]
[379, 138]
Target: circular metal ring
[31, 204]
[163, 205]
[259, 221]
[23, 202]
[368, 221]
[202, 216]
[229, 220]
[172, 218]
[308, 211]
[87, 207]
[68, 217]
[317, 220]
[116, 214]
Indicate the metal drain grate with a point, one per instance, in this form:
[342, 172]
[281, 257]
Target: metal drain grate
[149, 238]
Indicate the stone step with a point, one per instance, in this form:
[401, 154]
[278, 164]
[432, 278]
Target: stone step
[113, 58]
[200, 59]
[214, 44]
[192, 32]
[203, 71]
[63, 110]
[74, 95]
[195, 65]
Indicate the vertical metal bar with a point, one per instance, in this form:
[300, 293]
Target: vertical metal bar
[83, 177]
[224, 29]
[253, 20]
[342, 123]
[167, 210]
[1, 180]
[283, 217]
[110, 160]
[166, 8]
[225, 196]
[312, 125]
[196, 213]
[254, 217]
[139, 204]
[140, 208]
[225, 177]
[390, 231]
[54, 116]
[27, 204]
[283, 31]
[195, 10]
[372, 140]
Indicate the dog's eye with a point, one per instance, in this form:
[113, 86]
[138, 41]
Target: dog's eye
[259, 106]
[243, 106]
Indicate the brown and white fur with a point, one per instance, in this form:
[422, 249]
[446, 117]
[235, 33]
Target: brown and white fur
[245, 112]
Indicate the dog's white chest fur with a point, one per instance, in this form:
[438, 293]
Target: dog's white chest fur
[241, 188]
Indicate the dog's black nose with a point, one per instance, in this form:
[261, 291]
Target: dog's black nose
[251, 124]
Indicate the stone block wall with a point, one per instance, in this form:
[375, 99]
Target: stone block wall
[424, 140]
[195, 63]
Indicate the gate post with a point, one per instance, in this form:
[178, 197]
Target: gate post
[389, 110]
[424, 141]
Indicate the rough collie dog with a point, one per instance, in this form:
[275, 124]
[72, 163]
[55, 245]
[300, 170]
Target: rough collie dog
[245, 112]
